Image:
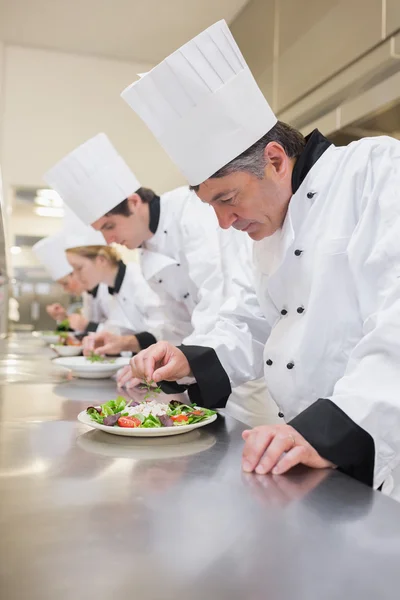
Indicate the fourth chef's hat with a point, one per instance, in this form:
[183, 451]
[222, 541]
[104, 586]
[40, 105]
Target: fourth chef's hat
[203, 104]
[50, 251]
[92, 179]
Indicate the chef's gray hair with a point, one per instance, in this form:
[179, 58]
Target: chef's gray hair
[253, 159]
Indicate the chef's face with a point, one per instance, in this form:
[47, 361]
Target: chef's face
[130, 231]
[251, 204]
[71, 284]
[88, 272]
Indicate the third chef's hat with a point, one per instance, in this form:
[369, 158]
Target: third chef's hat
[92, 179]
[50, 251]
[203, 104]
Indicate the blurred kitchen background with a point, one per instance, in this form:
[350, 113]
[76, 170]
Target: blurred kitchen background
[331, 64]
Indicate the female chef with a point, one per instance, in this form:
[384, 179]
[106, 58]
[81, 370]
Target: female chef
[133, 305]
[50, 251]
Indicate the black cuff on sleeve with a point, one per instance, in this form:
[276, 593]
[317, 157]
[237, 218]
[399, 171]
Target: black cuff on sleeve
[213, 387]
[338, 438]
[145, 339]
[91, 327]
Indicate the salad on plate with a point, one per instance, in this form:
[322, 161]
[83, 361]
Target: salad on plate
[148, 413]
[66, 339]
[97, 358]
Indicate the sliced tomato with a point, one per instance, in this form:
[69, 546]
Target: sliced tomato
[129, 422]
[180, 418]
[197, 413]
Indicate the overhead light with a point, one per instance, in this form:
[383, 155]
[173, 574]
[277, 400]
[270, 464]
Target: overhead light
[15, 250]
[51, 197]
[49, 211]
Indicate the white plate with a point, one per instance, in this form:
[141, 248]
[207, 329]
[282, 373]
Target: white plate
[81, 367]
[66, 350]
[97, 442]
[84, 418]
[48, 337]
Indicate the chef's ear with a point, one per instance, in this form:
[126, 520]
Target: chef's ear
[134, 200]
[276, 157]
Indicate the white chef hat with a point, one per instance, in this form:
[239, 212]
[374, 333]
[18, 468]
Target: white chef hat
[50, 251]
[76, 233]
[92, 179]
[202, 103]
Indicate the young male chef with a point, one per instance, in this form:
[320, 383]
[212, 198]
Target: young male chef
[326, 222]
[50, 251]
[192, 265]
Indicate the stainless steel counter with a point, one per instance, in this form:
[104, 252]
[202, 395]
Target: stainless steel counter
[89, 515]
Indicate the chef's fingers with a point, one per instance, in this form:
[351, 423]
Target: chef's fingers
[108, 348]
[137, 365]
[149, 363]
[124, 375]
[282, 442]
[152, 357]
[295, 456]
[255, 446]
[88, 344]
[166, 372]
[132, 383]
[245, 434]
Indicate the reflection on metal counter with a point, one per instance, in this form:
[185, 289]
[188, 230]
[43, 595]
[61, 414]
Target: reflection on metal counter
[84, 514]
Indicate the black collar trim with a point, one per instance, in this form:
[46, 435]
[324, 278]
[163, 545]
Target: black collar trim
[154, 211]
[94, 291]
[316, 144]
[119, 279]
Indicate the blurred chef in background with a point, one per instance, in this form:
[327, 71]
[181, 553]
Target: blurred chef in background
[133, 306]
[50, 251]
[191, 264]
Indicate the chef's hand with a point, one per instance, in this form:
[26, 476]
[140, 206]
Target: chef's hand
[278, 448]
[160, 362]
[78, 322]
[126, 379]
[56, 311]
[109, 343]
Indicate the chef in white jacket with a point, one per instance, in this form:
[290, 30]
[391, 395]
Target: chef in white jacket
[133, 306]
[190, 263]
[326, 221]
[96, 301]
[50, 251]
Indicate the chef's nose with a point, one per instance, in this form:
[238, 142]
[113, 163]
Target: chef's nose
[226, 217]
[109, 237]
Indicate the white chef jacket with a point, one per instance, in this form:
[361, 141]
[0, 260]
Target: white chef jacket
[133, 307]
[195, 267]
[329, 286]
[96, 306]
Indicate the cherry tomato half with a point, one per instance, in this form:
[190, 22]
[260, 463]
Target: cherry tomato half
[128, 422]
[180, 418]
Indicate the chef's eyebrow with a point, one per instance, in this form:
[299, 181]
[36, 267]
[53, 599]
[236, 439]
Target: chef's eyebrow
[221, 194]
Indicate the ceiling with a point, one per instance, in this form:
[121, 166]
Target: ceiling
[131, 30]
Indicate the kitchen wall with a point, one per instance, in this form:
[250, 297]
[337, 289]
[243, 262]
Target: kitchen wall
[3, 218]
[54, 101]
[293, 46]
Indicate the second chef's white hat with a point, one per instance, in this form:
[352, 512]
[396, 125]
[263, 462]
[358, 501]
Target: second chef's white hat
[203, 104]
[92, 179]
[50, 251]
